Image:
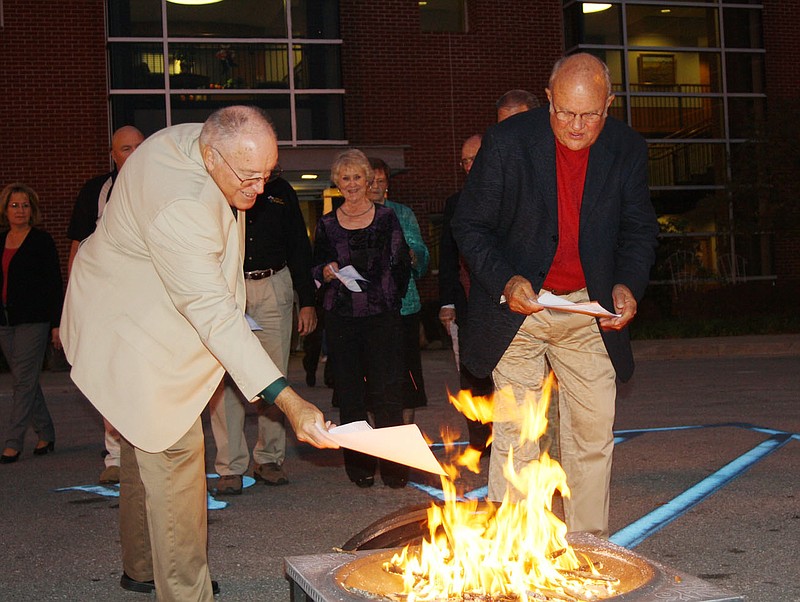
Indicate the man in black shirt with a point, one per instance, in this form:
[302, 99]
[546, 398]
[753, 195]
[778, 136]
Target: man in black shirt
[277, 262]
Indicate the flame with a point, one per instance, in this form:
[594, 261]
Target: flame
[514, 551]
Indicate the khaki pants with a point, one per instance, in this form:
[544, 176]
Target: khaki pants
[586, 399]
[163, 518]
[269, 303]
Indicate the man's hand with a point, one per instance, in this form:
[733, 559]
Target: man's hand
[308, 423]
[447, 315]
[521, 297]
[624, 304]
[306, 320]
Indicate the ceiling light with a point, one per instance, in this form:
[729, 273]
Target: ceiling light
[194, 2]
[309, 176]
[594, 7]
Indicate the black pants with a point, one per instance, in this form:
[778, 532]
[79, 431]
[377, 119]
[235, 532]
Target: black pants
[414, 388]
[478, 432]
[368, 375]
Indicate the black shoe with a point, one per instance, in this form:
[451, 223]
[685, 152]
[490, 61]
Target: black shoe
[41, 451]
[147, 587]
[395, 482]
[311, 379]
[364, 482]
[9, 459]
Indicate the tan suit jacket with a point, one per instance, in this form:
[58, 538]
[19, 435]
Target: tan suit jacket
[154, 314]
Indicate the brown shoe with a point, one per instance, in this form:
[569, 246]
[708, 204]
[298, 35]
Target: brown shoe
[110, 475]
[270, 473]
[229, 484]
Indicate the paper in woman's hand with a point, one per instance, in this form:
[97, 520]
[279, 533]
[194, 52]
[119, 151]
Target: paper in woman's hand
[403, 444]
[348, 275]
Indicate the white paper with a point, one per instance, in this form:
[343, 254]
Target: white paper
[403, 444]
[348, 275]
[252, 323]
[454, 338]
[592, 308]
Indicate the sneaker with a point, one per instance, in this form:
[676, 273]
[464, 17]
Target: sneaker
[110, 475]
[229, 484]
[270, 473]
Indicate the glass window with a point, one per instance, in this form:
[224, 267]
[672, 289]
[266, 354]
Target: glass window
[317, 66]
[195, 108]
[319, 117]
[685, 72]
[686, 164]
[742, 28]
[134, 18]
[443, 15]
[316, 19]
[137, 65]
[146, 111]
[216, 65]
[747, 117]
[670, 25]
[745, 72]
[585, 26]
[677, 116]
[229, 19]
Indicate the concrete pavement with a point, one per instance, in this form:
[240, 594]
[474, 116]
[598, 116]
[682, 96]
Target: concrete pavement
[706, 479]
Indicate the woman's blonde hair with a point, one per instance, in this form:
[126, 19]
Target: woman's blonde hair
[351, 158]
[33, 199]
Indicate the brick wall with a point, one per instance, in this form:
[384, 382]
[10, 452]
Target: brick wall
[53, 109]
[431, 91]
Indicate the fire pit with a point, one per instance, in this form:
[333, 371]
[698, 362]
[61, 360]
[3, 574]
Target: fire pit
[358, 576]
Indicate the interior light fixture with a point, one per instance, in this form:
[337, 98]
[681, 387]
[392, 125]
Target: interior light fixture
[666, 10]
[194, 2]
[309, 176]
[594, 7]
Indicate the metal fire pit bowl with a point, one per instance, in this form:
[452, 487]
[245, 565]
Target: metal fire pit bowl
[347, 576]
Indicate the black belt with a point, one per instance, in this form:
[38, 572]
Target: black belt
[261, 274]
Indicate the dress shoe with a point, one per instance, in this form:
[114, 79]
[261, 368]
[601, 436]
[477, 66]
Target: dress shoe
[364, 482]
[41, 450]
[311, 379]
[229, 484]
[109, 476]
[4, 459]
[148, 587]
[270, 473]
[395, 482]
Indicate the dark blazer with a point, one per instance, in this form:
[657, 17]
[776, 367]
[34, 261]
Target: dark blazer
[506, 223]
[35, 287]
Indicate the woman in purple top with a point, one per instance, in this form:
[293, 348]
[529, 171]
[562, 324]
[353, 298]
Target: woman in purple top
[364, 328]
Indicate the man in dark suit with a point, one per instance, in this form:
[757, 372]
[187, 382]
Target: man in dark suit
[557, 200]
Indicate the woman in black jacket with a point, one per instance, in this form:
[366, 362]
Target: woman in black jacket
[31, 297]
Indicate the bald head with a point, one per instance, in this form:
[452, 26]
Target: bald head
[124, 141]
[469, 150]
[226, 127]
[513, 102]
[582, 67]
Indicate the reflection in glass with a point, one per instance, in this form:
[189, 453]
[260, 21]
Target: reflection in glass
[134, 18]
[229, 19]
[443, 16]
[146, 111]
[217, 66]
[662, 25]
[686, 164]
[603, 27]
[315, 19]
[137, 65]
[743, 28]
[195, 108]
[319, 116]
[683, 72]
[747, 117]
[745, 72]
[317, 66]
[677, 116]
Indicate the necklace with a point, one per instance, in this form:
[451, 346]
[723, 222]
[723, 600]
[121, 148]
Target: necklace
[356, 214]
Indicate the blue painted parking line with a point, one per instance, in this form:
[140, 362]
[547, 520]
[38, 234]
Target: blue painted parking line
[635, 533]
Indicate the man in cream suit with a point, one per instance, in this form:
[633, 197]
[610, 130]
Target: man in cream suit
[154, 317]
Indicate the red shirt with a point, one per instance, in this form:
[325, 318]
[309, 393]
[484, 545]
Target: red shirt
[8, 255]
[566, 273]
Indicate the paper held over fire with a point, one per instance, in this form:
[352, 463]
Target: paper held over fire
[403, 444]
[551, 301]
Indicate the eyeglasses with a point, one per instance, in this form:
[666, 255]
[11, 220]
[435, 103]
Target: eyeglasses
[569, 116]
[467, 161]
[20, 205]
[273, 175]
